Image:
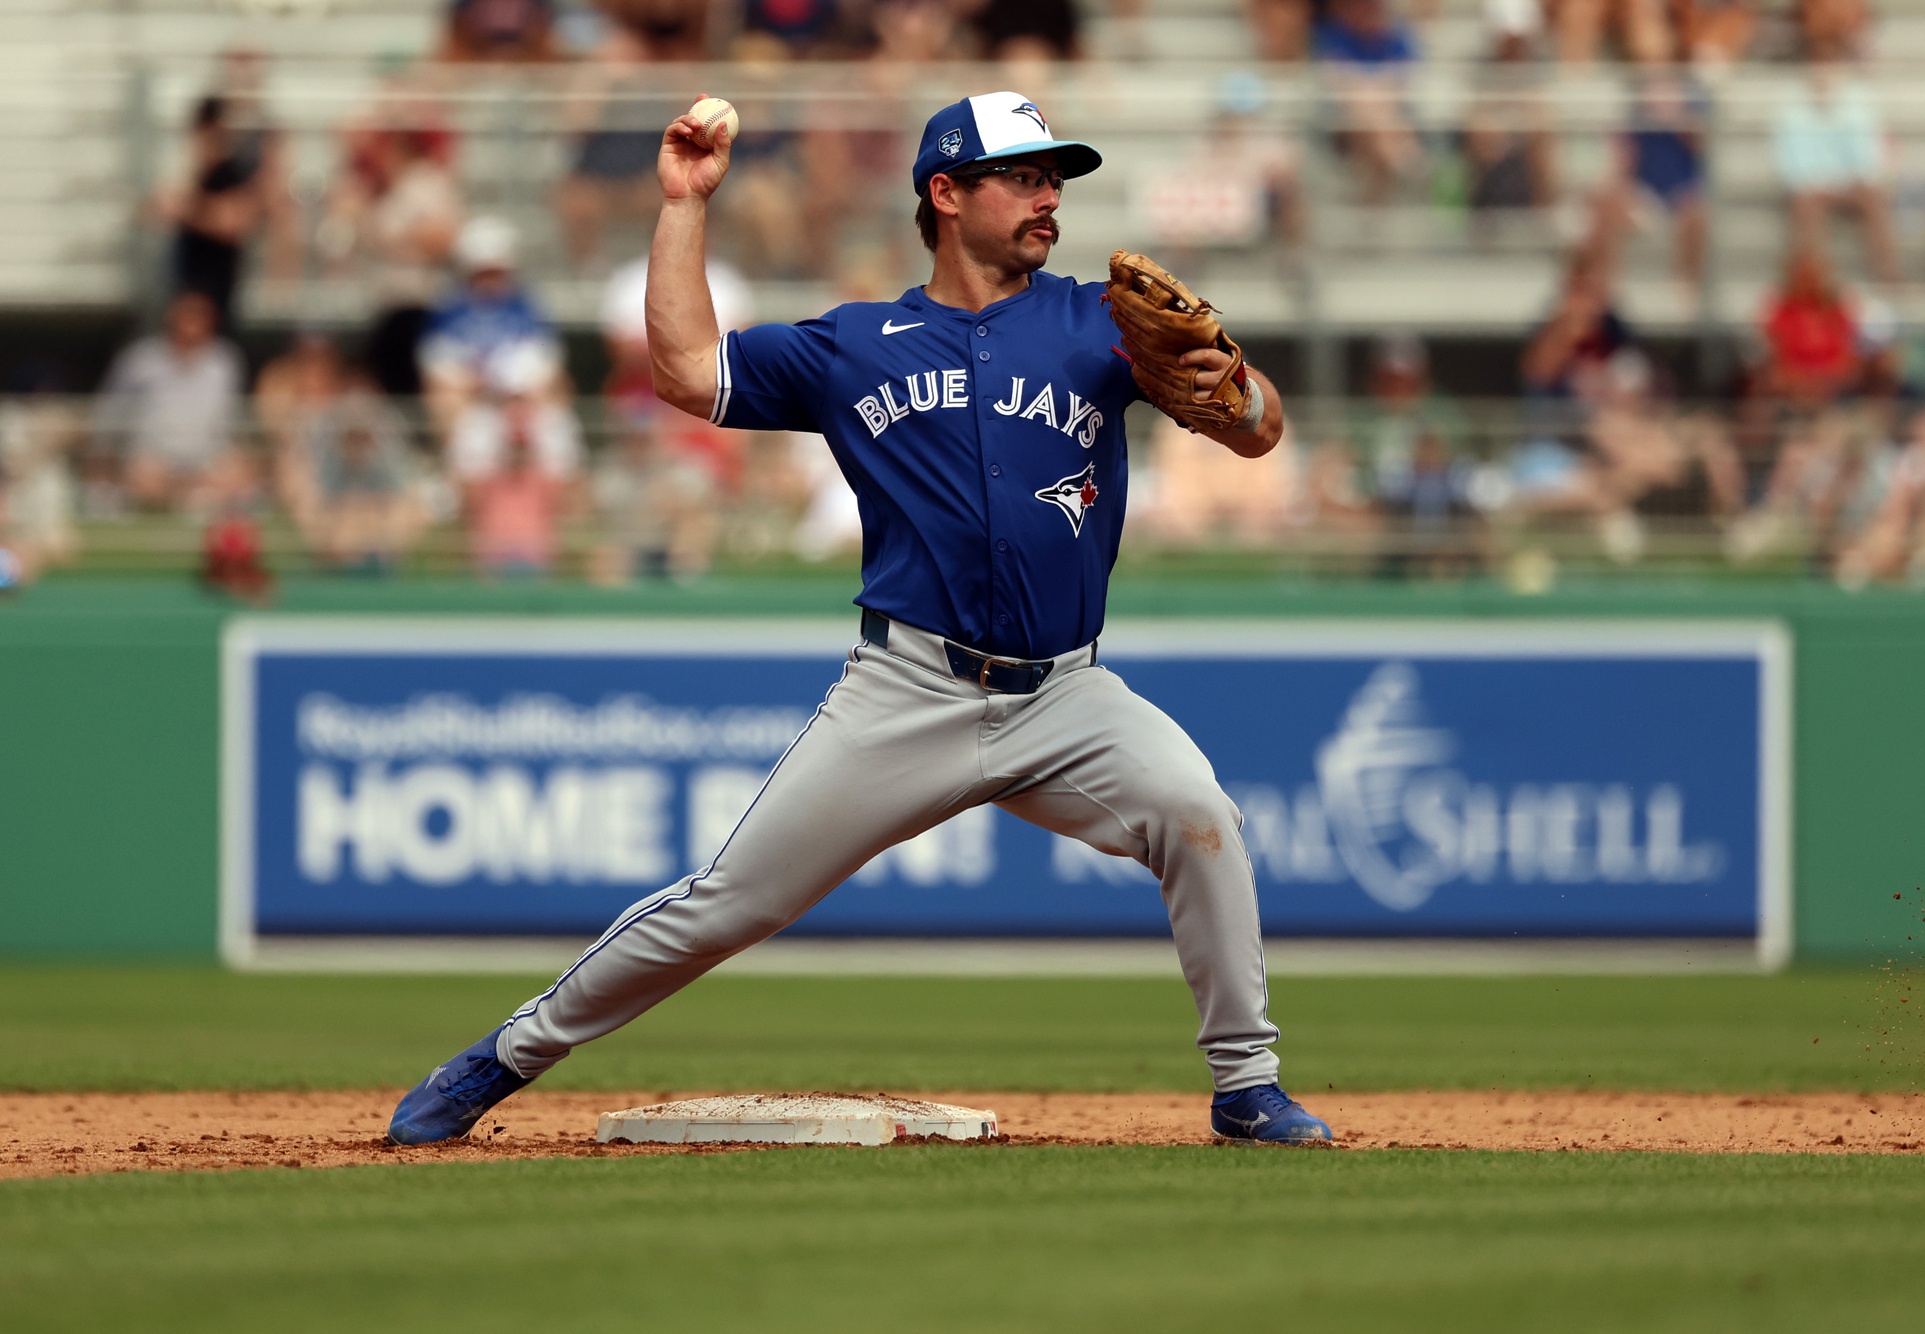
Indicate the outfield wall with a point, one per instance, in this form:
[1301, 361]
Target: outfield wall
[109, 719]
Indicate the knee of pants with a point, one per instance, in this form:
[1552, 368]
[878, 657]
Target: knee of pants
[1194, 816]
[730, 922]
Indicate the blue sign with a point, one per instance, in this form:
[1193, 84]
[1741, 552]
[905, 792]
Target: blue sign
[1440, 779]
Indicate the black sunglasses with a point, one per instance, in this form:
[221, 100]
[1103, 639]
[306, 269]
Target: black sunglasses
[1026, 177]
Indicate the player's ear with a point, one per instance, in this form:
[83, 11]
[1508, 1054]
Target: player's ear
[943, 191]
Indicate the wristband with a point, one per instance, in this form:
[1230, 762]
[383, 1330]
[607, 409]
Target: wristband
[1252, 408]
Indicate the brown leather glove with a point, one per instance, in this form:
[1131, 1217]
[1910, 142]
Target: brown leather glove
[1161, 319]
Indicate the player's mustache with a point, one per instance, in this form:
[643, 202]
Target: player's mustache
[1041, 222]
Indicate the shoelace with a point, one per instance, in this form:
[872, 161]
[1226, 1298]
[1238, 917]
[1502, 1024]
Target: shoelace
[480, 1074]
[1272, 1101]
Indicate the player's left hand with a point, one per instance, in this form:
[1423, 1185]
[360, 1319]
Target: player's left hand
[1213, 363]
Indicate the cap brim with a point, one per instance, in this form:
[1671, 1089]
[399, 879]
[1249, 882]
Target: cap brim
[1073, 158]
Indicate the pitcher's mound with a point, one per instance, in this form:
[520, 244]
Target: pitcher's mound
[794, 1118]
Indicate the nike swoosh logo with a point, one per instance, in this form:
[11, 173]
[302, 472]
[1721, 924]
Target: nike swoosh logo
[889, 328]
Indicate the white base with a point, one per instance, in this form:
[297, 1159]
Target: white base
[793, 1118]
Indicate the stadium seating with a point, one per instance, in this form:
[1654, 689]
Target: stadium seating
[94, 93]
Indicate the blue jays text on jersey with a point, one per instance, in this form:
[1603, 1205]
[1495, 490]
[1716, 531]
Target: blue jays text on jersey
[985, 449]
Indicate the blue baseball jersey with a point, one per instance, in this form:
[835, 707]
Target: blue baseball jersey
[985, 449]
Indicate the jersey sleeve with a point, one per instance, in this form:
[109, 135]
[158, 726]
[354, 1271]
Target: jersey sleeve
[770, 377]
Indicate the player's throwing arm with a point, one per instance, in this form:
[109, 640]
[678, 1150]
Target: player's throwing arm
[682, 332]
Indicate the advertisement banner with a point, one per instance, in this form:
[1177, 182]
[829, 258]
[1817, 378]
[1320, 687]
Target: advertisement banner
[1448, 779]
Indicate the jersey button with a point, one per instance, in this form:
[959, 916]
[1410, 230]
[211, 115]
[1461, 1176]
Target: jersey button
[982, 331]
[1003, 619]
[983, 355]
[1002, 544]
[995, 470]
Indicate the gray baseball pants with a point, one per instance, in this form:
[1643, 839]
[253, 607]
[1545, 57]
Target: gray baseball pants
[900, 745]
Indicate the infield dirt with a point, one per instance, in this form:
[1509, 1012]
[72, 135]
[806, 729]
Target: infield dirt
[52, 1134]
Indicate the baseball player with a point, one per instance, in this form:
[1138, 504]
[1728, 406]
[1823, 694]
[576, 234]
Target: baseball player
[979, 419]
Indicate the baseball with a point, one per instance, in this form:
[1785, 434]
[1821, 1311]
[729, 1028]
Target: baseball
[713, 112]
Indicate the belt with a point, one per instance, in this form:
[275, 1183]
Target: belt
[1000, 676]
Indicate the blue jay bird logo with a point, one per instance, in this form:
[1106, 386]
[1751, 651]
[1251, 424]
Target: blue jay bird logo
[1035, 113]
[950, 144]
[1074, 495]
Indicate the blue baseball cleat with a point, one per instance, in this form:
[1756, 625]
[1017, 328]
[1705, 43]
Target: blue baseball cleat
[1265, 1115]
[449, 1101]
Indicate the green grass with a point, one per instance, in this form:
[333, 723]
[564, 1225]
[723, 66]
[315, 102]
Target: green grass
[931, 1239]
[74, 1028]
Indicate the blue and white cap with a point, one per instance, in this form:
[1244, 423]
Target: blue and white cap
[994, 125]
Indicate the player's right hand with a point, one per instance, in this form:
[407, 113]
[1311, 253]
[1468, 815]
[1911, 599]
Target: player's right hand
[687, 169]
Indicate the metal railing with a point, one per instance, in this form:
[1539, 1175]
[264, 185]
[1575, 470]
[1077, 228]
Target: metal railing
[1421, 489]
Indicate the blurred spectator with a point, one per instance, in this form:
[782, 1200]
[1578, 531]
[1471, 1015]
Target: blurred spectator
[1811, 334]
[1201, 493]
[515, 399]
[1368, 51]
[1660, 161]
[1438, 533]
[168, 406]
[499, 32]
[773, 496]
[1829, 145]
[1237, 185]
[299, 384]
[615, 146]
[629, 392]
[793, 30]
[668, 29]
[1508, 147]
[356, 509]
[514, 512]
[1552, 471]
[39, 430]
[1026, 31]
[489, 328]
[1281, 28]
[1330, 497]
[1813, 357]
[1633, 458]
[1513, 29]
[660, 487]
[241, 84]
[774, 223]
[915, 32]
[1364, 33]
[218, 209]
[1417, 462]
[1889, 542]
[1583, 331]
[832, 523]
[660, 510]
[1833, 29]
[1655, 464]
[1642, 28]
[1825, 461]
[397, 205]
[290, 393]
[232, 560]
[1399, 413]
[1717, 33]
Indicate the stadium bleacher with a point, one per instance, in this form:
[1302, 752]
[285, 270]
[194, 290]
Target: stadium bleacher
[95, 92]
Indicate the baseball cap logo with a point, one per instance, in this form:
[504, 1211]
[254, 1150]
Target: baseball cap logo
[950, 144]
[1035, 113]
